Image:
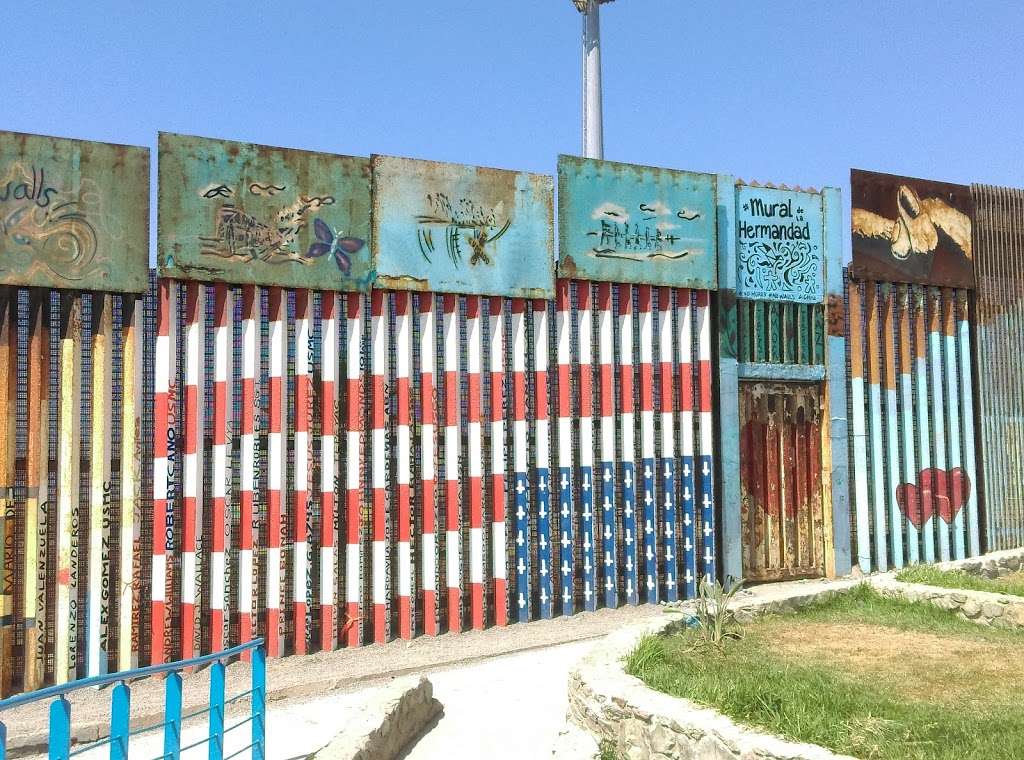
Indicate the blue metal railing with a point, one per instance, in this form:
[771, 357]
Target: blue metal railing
[120, 708]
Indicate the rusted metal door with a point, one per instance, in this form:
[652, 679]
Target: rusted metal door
[780, 471]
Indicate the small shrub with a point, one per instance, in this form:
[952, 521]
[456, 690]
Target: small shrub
[716, 622]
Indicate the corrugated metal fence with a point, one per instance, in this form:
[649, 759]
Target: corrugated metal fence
[330, 469]
[999, 264]
[912, 424]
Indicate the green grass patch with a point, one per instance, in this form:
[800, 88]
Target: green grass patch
[860, 674]
[932, 576]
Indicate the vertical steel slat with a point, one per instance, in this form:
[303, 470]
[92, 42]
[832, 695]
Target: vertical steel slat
[220, 536]
[303, 463]
[379, 301]
[192, 514]
[927, 501]
[99, 580]
[36, 566]
[249, 463]
[519, 460]
[607, 391]
[8, 455]
[940, 517]
[706, 408]
[277, 464]
[647, 448]
[875, 406]
[130, 508]
[775, 338]
[859, 428]
[428, 449]
[452, 463]
[802, 519]
[566, 510]
[744, 328]
[403, 458]
[474, 460]
[759, 333]
[963, 329]
[542, 457]
[499, 570]
[773, 486]
[952, 407]
[627, 452]
[584, 327]
[330, 312]
[891, 427]
[906, 391]
[817, 491]
[668, 440]
[166, 453]
[687, 490]
[69, 424]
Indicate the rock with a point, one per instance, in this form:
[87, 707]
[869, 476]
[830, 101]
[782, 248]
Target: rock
[992, 610]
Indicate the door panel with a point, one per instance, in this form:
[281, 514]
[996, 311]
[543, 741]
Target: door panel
[781, 485]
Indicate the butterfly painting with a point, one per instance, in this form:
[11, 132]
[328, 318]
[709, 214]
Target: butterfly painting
[331, 243]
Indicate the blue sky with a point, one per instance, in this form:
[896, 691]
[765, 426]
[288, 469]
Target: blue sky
[782, 91]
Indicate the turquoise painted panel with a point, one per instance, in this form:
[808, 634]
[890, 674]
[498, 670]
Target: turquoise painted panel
[779, 238]
[637, 224]
[73, 214]
[452, 228]
[258, 215]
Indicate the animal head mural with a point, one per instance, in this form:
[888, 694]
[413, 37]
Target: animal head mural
[911, 230]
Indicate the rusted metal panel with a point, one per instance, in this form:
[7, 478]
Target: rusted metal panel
[999, 346]
[259, 215]
[73, 214]
[781, 481]
[779, 245]
[911, 230]
[452, 228]
[636, 224]
[780, 334]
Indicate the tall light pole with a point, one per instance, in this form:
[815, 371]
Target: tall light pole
[593, 129]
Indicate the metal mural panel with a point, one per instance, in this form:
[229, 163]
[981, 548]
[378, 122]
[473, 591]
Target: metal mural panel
[451, 228]
[258, 215]
[779, 245]
[636, 224]
[911, 230]
[73, 214]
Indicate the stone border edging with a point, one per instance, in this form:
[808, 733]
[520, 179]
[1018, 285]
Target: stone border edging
[394, 716]
[646, 724]
[992, 565]
[981, 607]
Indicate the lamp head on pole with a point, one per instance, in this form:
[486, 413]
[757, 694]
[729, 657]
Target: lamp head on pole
[581, 5]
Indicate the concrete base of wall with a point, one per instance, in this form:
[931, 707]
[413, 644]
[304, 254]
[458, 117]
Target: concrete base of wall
[644, 724]
[392, 717]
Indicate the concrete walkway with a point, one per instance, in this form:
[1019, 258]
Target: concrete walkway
[508, 707]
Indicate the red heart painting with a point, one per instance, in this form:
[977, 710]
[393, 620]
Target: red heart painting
[941, 492]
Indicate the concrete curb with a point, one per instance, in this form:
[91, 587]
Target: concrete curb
[391, 719]
[644, 724]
